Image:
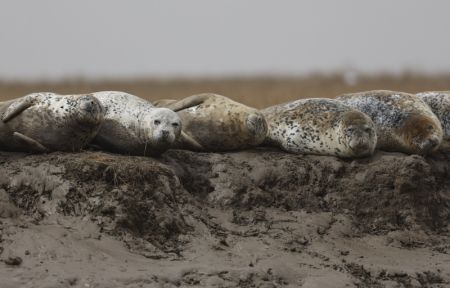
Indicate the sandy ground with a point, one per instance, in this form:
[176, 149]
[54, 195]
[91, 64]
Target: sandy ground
[257, 218]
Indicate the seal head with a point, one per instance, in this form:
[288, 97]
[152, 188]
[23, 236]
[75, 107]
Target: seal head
[89, 111]
[360, 134]
[256, 125]
[160, 128]
[422, 134]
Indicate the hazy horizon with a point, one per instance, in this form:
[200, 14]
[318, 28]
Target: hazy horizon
[52, 40]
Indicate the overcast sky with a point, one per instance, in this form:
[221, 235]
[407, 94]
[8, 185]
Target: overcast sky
[52, 39]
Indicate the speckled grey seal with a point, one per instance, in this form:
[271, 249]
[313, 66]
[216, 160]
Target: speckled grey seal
[439, 102]
[44, 122]
[134, 126]
[216, 123]
[322, 127]
[404, 122]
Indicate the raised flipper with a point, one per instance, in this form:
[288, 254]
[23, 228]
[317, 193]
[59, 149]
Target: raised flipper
[189, 142]
[190, 101]
[34, 145]
[162, 103]
[17, 107]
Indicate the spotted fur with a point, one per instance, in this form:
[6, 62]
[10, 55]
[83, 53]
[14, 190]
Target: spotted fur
[439, 102]
[134, 126]
[404, 122]
[320, 126]
[59, 123]
[218, 123]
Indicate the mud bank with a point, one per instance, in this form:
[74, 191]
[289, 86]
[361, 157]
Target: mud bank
[257, 218]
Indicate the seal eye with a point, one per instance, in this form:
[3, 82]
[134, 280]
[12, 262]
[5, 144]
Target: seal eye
[430, 128]
[175, 124]
[368, 130]
[350, 129]
[157, 122]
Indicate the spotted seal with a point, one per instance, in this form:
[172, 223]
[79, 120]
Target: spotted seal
[134, 126]
[44, 122]
[439, 102]
[322, 127]
[216, 123]
[404, 122]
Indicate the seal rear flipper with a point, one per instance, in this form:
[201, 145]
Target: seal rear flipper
[189, 102]
[34, 145]
[163, 103]
[190, 143]
[16, 108]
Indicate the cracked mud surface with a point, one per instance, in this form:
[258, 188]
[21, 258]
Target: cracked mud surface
[256, 218]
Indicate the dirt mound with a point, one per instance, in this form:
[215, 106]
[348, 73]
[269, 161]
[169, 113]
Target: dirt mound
[386, 192]
[257, 218]
[125, 196]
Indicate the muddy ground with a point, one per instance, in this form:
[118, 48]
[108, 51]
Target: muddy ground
[257, 218]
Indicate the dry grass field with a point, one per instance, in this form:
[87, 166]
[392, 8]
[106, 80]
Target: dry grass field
[254, 91]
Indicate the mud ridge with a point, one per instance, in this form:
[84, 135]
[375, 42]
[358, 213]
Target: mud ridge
[256, 218]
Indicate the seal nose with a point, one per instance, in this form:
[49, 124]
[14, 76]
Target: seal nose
[165, 134]
[430, 144]
[360, 146]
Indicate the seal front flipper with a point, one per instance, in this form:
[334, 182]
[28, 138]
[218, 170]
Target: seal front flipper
[190, 101]
[17, 107]
[34, 145]
[189, 142]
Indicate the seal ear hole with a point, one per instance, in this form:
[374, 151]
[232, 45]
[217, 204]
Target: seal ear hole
[157, 122]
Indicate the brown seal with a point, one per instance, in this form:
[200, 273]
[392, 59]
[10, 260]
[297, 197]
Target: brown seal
[216, 123]
[404, 122]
